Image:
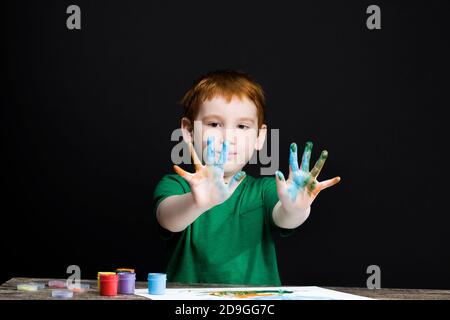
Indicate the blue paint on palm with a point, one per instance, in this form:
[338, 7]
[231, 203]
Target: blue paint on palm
[299, 181]
[217, 168]
[300, 177]
[292, 192]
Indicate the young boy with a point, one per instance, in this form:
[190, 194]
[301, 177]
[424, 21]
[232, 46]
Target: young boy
[219, 219]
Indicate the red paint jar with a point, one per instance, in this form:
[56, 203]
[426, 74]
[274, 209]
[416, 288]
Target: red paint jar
[108, 284]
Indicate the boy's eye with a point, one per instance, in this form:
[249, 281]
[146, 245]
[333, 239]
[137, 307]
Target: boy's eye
[213, 124]
[243, 126]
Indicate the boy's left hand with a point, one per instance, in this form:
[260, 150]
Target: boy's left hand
[301, 188]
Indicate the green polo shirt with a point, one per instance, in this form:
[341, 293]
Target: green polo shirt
[232, 242]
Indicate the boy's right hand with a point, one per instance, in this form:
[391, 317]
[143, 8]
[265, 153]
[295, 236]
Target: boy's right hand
[207, 184]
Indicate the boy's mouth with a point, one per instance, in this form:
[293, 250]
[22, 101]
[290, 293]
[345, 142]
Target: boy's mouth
[231, 155]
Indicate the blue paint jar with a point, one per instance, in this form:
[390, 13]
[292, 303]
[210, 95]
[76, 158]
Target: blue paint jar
[156, 283]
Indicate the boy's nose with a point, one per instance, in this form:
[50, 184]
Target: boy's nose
[230, 136]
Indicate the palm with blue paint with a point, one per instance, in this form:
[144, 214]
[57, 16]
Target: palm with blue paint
[207, 184]
[301, 188]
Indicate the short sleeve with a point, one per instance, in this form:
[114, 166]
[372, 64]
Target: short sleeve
[169, 185]
[270, 198]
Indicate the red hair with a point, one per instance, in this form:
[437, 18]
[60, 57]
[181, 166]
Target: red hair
[225, 83]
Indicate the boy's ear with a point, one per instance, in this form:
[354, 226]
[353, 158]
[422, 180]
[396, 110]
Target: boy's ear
[262, 133]
[187, 130]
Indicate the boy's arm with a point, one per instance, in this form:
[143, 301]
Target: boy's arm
[177, 212]
[289, 220]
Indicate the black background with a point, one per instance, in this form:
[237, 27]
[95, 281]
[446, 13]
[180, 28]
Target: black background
[87, 117]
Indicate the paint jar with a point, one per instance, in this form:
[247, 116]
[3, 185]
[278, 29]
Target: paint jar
[156, 283]
[98, 277]
[62, 294]
[30, 286]
[119, 270]
[79, 288]
[57, 284]
[108, 284]
[127, 282]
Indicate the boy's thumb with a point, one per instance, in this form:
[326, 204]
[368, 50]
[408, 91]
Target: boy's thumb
[236, 179]
[280, 180]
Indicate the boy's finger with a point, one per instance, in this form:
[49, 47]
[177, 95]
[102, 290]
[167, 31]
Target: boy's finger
[293, 161]
[311, 186]
[186, 175]
[234, 182]
[197, 163]
[210, 151]
[281, 182]
[319, 164]
[328, 183]
[306, 157]
[224, 153]
[290, 177]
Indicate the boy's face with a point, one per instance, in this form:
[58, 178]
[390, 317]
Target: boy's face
[235, 121]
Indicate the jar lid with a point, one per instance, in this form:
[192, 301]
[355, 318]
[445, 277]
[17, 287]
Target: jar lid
[28, 286]
[113, 276]
[125, 270]
[154, 276]
[62, 294]
[127, 275]
[82, 287]
[102, 272]
[57, 284]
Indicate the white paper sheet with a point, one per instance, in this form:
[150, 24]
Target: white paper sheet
[251, 293]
